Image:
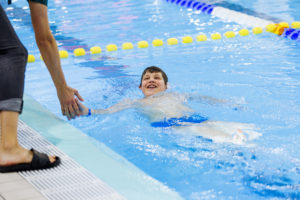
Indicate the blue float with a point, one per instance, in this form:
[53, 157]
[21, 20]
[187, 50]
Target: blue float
[295, 35]
[210, 10]
[200, 6]
[188, 5]
[206, 8]
[194, 4]
[183, 3]
[287, 32]
[178, 1]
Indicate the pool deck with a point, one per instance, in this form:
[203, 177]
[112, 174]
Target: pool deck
[89, 169]
[14, 187]
[67, 181]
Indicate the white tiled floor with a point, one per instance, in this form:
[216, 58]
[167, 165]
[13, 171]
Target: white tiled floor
[15, 187]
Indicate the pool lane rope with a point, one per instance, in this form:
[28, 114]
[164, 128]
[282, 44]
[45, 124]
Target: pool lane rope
[222, 12]
[239, 17]
[282, 29]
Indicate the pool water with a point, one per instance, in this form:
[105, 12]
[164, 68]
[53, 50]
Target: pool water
[260, 73]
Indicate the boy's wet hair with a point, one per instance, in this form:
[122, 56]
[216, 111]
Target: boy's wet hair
[154, 69]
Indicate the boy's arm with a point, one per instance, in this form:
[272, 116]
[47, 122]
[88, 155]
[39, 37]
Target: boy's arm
[206, 99]
[212, 100]
[115, 108]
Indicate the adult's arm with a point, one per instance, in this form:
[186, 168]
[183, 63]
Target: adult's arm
[49, 51]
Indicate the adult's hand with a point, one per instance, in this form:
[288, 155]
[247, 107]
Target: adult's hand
[68, 101]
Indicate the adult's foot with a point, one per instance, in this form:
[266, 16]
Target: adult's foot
[17, 155]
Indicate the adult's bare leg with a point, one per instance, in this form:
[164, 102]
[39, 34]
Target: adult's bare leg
[11, 152]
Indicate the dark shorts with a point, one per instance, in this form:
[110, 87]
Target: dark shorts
[45, 2]
[179, 121]
[13, 60]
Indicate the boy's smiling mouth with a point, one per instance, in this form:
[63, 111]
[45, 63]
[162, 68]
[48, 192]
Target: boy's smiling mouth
[151, 86]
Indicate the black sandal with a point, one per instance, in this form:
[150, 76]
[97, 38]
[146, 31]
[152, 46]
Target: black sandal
[39, 161]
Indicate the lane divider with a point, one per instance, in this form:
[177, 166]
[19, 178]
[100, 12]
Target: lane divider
[283, 28]
[249, 18]
[193, 4]
[222, 12]
[279, 29]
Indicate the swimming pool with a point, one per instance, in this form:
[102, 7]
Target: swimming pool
[258, 72]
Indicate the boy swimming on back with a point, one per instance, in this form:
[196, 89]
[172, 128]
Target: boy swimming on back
[169, 110]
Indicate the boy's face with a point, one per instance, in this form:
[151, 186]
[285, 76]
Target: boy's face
[152, 83]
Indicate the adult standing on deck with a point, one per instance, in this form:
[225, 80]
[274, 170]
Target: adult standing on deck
[13, 59]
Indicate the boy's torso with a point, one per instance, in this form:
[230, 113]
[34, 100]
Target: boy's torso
[164, 106]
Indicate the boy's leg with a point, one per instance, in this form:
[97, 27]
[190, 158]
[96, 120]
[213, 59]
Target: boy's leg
[218, 131]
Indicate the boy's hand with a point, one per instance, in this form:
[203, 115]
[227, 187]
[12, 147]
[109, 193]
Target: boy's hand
[83, 110]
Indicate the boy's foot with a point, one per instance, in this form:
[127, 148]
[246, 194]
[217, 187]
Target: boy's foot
[239, 137]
